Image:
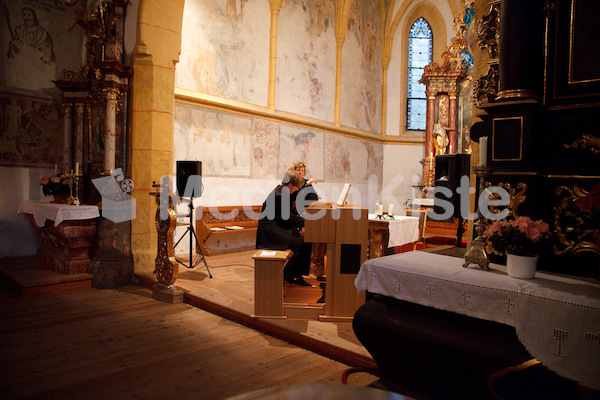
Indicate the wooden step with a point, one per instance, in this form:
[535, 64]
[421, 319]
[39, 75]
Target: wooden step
[28, 277]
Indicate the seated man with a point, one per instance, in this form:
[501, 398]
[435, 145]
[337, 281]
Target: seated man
[279, 228]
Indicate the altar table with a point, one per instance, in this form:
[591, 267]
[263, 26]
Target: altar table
[386, 233]
[557, 318]
[68, 233]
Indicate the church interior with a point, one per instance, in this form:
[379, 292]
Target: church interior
[139, 140]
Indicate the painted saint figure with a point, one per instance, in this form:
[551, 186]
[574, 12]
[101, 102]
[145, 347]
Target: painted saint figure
[32, 34]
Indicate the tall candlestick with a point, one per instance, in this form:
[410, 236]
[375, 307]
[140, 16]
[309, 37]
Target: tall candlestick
[483, 142]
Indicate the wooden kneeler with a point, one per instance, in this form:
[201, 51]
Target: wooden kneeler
[268, 282]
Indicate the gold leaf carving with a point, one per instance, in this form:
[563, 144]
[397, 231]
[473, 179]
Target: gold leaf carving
[569, 226]
[517, 197]
[588, 140]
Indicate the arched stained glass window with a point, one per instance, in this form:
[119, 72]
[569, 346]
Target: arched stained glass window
[420, 52]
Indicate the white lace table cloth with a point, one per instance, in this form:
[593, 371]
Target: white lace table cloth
[402, 229]
[557, 318]
[57, 212]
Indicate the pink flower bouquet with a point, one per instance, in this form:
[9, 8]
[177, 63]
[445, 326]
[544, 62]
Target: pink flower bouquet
[522, 236]
[55, 184]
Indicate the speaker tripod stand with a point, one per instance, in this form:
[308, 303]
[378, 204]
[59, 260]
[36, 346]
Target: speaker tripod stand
[193, 240]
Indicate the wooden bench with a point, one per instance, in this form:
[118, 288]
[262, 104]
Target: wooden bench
[225, 220]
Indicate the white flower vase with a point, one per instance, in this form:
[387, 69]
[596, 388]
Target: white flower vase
[521, 267]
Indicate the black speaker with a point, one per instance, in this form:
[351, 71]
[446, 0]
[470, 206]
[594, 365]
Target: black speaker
[185, 170]
[449, 168]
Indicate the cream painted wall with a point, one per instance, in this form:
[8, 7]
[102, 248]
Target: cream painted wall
[401, 170]
[18, 236]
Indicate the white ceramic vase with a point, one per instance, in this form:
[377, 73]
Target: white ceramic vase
[521, 267]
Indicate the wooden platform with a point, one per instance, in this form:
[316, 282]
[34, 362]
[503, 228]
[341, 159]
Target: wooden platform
[29, 278]
[230, 294]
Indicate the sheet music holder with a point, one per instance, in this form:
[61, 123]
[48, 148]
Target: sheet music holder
[342, 199]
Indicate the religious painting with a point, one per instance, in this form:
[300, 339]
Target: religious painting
[361, 57]
[265, 148]
[219, 55]
[38, 42]
[306, 64]
[30, 132]
[301, 144]
[221, 141]
[351, 160]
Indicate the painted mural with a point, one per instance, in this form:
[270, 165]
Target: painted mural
[221, 141]
[225, 49]
[306, 58]
[236, 146]
[351, 160]
[38, 38]
[361, 57]
[30, 132]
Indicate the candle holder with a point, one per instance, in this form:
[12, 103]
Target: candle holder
[476, 254]
[74, 181]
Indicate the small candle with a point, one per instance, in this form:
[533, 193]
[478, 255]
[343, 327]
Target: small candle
[380, 210]
[483, 141]
[77, 168]
[391, 210]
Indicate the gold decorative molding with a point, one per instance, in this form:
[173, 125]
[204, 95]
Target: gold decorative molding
[574, 235]
[588, 140]
[520, 119]
[516, 196]
[485, 88]
[488, 31]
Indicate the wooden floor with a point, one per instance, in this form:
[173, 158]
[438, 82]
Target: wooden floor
[124, 344]
[230, 294]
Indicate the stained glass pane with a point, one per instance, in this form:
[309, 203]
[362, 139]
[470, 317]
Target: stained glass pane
[420, 51]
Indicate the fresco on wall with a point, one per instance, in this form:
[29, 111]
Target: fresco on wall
[234, 146]
[30, 133]
[221, 141]
[351, 160]
[361, 57]
[225, 49]
[38, 39]
[306, 57]
[265, 148]
[301, 144]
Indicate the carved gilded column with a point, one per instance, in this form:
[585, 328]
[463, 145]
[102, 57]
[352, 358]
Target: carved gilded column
[429, 123]
[79, 117]
[67, 137]
[275, 7]
[452, 124]
[110, 129]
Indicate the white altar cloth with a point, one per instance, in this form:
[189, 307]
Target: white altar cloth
[557, 318]
[58, 213]
[402, 229]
